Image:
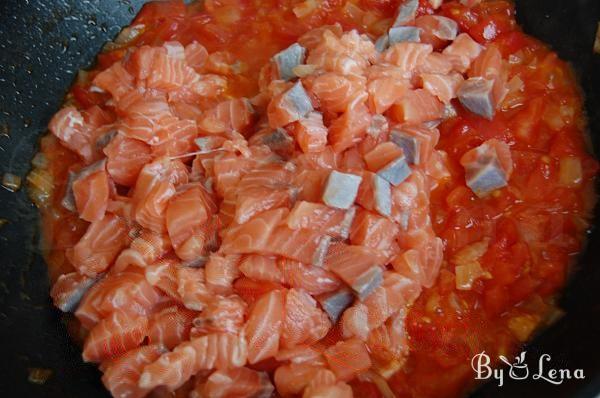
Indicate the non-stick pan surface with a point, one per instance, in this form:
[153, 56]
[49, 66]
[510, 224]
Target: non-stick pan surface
[42, 45]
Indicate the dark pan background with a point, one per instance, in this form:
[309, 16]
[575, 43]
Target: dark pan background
[42, 45]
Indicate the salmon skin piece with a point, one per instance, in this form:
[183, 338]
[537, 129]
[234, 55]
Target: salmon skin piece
[336, 302]
[410, 145]
[382, 195]
[289, 106]
[396, 171]
[487, 167]
[407, 11]
[401, 34]
[477, 95]
[286, 60]
[341, 189]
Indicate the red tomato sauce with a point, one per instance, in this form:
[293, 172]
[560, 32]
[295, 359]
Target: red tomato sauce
[535, 227]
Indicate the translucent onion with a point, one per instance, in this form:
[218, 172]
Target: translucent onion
[471, 253]
[41, 185]
[515, 96]
[39, 375]
[353, 11]
[467, 274]
[382, 384]
[306, 8]
[570, 171]
[125, 37]
[11, 182]
[304, 70]
[523, 326]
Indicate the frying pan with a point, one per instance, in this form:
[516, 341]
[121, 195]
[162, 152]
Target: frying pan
[42, 45]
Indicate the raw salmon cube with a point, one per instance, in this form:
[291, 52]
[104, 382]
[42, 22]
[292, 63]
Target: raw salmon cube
[373, 231]
[69, 289]
[348, 358]
[358, 266]
[381, 155]
[438, 26]
[264, 326]
[444, 87]
[416, 107]
[335, 222]
[375, 194]
[311, 133]
[463, 50]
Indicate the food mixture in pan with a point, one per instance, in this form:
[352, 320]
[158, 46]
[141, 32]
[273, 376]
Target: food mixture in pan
[318, 198]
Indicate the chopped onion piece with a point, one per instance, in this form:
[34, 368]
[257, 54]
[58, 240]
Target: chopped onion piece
[125, 37]
[570, 171]
[522, 326]
[11, 182]
[468, 274]
[471, 253]
[306, 8]
[41, 186]
[381, 382]
[39, 375]
[304, 70]
[353, 11]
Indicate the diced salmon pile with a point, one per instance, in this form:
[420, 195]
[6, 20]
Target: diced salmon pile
[241, 245]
